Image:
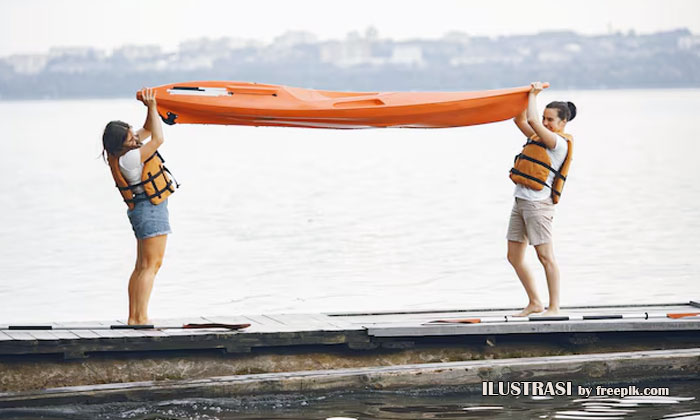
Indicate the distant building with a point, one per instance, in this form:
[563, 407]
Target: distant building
[292, 38]
[75, 60]
[689, 42]
[203, 53]
[138, 52]
[407, 54]
[354, 51]
[75, 52]
[457, 37]
[215, 46]
[27, 64]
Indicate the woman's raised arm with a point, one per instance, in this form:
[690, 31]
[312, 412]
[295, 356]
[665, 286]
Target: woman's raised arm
[521, 121]
[534, 119]
[152, 126]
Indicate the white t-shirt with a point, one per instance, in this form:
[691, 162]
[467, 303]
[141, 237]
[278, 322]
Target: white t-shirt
[131, 166]
[556, 156]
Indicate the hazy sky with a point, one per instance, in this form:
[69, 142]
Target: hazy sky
[33, 26]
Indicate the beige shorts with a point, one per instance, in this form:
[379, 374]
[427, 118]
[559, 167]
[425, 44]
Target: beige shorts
[531, 221]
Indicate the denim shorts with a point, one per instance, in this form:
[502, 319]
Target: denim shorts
[149, 220]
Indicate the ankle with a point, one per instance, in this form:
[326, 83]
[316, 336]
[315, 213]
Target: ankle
[138, 321]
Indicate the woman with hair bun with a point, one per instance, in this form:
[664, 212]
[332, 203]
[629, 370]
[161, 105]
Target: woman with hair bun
[144, 184]
[539, 172]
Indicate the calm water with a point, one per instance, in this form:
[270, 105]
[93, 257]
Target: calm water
[300, 220]
[682, 404]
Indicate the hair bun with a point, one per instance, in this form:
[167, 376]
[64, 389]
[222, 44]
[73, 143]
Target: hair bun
[572, 110]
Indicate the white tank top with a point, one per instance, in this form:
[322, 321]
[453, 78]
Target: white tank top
[131, 166]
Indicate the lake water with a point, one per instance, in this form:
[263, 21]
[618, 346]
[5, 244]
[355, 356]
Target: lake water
[447, 404]
[272, 220]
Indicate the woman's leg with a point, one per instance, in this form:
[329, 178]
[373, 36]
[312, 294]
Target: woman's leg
[516, 258]
[545, 253]
[149, 258]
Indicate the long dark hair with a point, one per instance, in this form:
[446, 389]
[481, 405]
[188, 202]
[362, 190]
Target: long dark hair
[113, 138]
[565, 110]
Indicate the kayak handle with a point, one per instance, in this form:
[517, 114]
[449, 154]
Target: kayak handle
[359, 103]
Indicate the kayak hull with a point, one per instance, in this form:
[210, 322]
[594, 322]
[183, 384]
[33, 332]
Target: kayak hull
[252, 104]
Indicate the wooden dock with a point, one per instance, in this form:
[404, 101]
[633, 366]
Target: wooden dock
[355, 330]
[91, 353]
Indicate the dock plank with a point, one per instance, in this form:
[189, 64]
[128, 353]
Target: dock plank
[43, 335]
[534, 327]
[85, 334]
[299, 322]
[20, 336]
[261, 324]
[107, 332]
[338, 322]
[65, 335]
[273, 319]
[309, 322]
[81, 333]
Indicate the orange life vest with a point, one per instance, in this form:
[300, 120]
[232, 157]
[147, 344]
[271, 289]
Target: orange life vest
[154, 180]
[533, 165]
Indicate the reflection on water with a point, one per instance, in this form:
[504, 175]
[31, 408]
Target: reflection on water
[378, 405]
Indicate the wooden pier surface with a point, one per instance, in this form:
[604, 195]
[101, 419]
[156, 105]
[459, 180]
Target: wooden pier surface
[355, 330]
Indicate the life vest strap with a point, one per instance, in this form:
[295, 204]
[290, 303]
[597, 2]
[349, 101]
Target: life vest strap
[151, 178]
[557, 174]
[135, 199]
[530, 177]
[177, 184]
[156, 153]
[148, 197]
[158, 193]
[536, 143]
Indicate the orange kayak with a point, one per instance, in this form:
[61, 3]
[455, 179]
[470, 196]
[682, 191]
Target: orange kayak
[242, 103]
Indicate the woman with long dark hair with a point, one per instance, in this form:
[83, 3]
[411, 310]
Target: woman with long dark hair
[539, 173]
[144, 184]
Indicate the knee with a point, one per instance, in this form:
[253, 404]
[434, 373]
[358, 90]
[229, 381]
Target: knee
[546, 259]
[515, 259]
[149, 264]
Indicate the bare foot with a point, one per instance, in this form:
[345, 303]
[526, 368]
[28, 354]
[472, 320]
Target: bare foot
[133, 321]
[551, 312]
[531, 308]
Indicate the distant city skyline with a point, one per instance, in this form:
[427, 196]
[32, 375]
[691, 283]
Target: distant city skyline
[36, 26]
[366, 63]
